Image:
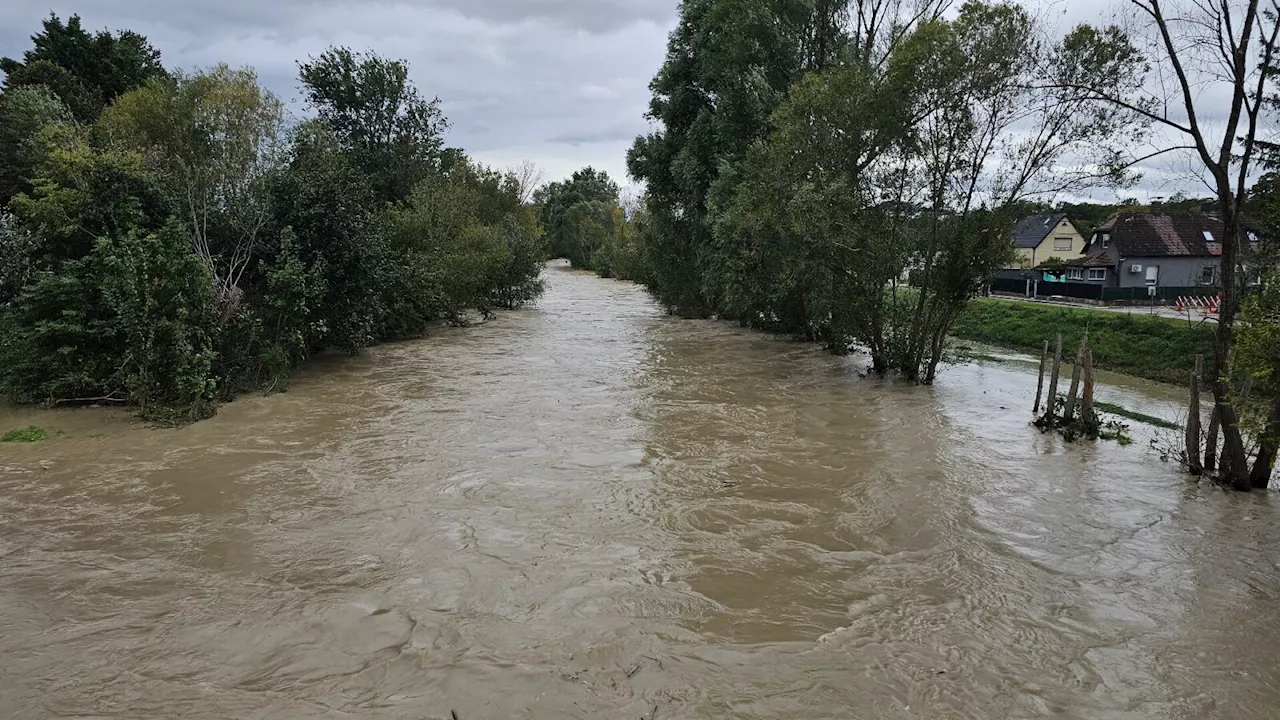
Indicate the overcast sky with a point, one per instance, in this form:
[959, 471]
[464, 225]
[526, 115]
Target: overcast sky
[561, 82]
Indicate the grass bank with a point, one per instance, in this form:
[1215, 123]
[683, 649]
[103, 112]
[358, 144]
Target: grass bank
[1155, 348]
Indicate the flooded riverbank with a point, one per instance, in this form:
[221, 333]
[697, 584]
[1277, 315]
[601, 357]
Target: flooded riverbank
[591, 510]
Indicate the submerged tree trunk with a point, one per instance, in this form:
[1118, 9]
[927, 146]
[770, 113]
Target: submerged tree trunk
[1193, 421]
[1235, 461]
[1260, 478]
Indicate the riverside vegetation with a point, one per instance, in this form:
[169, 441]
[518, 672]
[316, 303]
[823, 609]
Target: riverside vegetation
[172, 238]
[849, 172]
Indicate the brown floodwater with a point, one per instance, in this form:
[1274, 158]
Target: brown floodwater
[590, 510]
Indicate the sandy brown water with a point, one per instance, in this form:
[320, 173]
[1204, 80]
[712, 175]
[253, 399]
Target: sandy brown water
[590, 510]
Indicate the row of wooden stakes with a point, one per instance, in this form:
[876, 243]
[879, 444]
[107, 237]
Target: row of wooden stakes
[1079, 397]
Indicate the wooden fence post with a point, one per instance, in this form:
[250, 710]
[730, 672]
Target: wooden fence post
[1044, 362]
[1211, 442]
[1051, 415]
[1193, 421]
[1086, 404]
[1070, 410]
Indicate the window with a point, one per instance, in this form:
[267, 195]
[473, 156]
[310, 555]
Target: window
[1075, 273]
[1097, 274]
[1208, 237]
[1062, 244]
[1209, 275]
[1106, 240]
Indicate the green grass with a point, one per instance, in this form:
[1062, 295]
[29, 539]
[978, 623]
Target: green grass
[1140, 417]
[1155, 348]
[25, 435]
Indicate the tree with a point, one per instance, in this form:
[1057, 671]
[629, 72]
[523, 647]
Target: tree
[329, 206]
[527, 177]
[24, 111]
[376, 113]
[86, 71]
[1257, 353]
[1211, 50]
[571, 230]
[216, 133]
[729, 65]
[906, 167]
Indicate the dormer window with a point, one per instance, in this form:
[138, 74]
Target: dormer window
[1105, 240]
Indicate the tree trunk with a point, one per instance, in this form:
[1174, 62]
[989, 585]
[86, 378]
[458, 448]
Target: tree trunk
[1044, 362]
[1235, 461]
[1051, 414]
[1269, 447]
[1193, 421]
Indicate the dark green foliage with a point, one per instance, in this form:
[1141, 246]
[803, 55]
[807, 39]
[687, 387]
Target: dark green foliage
[847, 172]
[86, 71]
[61, 342]
[729, 64]
[29, 434]
[375, 112]
[329, 204]
[24, 112]
[17, 257]
[180, 248]
[1155, 348]
[160, 304]
[577, 213]
[130, 321]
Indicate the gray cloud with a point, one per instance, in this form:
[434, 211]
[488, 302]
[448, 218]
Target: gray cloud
[561, 82]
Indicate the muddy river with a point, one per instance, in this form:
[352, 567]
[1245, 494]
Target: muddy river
[590, 510]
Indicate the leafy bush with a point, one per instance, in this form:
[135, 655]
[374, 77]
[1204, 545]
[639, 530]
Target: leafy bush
[28, 434]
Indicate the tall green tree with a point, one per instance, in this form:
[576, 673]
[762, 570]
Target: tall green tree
[87, 71]
[729, 64]
[375, 112]
[24, 112]
[217, 135]
[565, 223]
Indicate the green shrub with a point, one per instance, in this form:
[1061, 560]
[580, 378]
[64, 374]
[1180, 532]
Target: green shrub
[26, 435]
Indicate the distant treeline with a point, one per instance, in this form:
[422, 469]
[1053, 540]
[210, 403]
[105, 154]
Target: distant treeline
[585, 222]
[169, 239]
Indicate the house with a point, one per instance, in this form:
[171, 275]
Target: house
[1040, 237]
[1151, 248]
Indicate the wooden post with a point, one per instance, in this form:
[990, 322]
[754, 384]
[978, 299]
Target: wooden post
[1211, 443]
[1086, 402]
[1044, 362]
[1070, 410]
[1051, 415]
[1193, 421]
